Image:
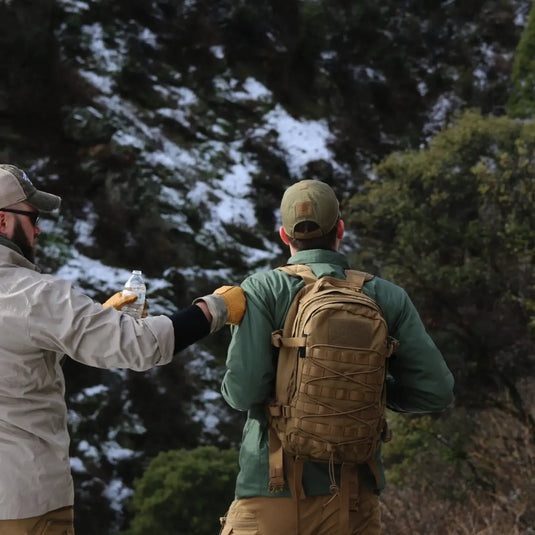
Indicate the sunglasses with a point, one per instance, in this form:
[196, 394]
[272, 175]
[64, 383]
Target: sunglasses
[34, 216]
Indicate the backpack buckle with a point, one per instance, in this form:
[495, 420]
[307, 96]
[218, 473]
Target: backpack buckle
[276, 338]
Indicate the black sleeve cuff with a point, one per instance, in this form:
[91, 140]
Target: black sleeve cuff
[190, 325]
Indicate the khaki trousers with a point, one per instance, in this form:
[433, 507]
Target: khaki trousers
[318, 515]
[57, 522]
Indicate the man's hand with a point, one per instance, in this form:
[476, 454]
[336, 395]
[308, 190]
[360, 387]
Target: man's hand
[118, 301]
[226, 305]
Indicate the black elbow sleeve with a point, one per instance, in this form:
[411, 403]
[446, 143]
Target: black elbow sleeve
[190, 325]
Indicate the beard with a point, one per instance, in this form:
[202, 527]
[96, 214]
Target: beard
[21, 241]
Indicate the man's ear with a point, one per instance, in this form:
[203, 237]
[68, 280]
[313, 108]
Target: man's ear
[284, 236]
[2, 223]
[340, 229]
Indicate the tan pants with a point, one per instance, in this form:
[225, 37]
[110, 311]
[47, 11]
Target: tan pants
[318, 515]
[57, 522]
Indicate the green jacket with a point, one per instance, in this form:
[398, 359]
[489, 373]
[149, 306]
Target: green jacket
[419, 380]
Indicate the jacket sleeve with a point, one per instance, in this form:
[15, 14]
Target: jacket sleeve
[251, 363]
[60, 319]
[419, 380]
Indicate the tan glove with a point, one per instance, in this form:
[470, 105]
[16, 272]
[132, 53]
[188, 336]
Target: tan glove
[226, 305]
[235, 301]
[118, 301]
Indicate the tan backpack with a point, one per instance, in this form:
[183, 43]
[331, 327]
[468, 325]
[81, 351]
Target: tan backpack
[330, 387]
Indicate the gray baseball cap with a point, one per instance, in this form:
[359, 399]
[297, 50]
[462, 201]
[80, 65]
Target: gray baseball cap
[309, 200]
[15, 187]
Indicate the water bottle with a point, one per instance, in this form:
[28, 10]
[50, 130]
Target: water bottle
[135, 285]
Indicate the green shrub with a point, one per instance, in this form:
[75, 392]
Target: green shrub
[184, 492]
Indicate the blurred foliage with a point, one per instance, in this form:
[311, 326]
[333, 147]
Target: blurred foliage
[426, 444]
[469, 472]
[453, 223]
[521, 101]
[184, 492]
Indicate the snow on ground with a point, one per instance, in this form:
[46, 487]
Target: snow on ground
[301, 140]
[117, 494]
[77, 465]
[228, 197]
[228, 186]
[74, 6]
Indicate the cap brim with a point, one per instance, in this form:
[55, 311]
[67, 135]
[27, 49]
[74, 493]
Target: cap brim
[44, 202]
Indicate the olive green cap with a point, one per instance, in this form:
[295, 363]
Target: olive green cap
[309, 200]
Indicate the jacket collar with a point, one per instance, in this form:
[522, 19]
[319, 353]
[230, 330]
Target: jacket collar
[321, 256]
[10, 253]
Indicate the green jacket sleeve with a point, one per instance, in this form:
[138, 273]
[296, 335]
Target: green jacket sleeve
[419, 380]
[251, 365]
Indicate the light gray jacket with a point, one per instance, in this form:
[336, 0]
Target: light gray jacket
[41, 320]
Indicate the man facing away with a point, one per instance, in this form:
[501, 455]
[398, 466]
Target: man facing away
[419, 380]
[43, 318]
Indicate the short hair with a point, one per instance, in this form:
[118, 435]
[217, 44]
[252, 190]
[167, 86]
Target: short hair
[326, 241]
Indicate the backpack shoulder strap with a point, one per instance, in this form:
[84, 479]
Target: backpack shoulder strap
[358, 278]
[283, 337]
[299, 270]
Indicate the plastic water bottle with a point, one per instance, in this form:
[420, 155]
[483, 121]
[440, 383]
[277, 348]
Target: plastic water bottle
[135, 285]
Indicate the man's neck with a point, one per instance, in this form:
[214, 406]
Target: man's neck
[293, 250]
[4, 240]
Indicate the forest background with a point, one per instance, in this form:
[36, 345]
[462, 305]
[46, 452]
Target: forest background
[171, 129]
